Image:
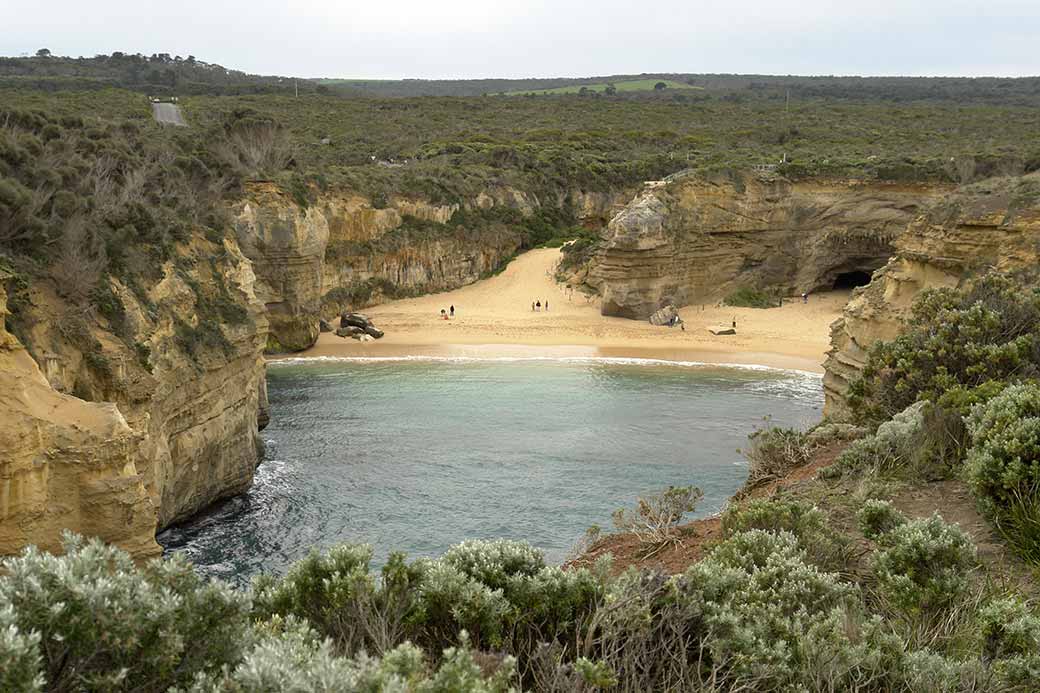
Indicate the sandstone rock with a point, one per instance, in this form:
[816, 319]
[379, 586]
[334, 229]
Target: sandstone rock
[286, 244]
[136, 448]
[349, 331]
[994, 224]
[664, 316]
[324, 326]
[65, 463]
[354, 320]
[695, 240]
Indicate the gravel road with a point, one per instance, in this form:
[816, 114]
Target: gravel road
[168, 114]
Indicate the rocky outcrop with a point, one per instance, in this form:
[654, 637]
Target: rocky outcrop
[116, 430]
[357, 326]
[696, 239]
[65, 463]
[994, 225]
[286, 244]
[342, 252]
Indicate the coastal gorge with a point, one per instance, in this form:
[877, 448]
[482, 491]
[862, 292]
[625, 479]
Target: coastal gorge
[143, 443]
[148, 271]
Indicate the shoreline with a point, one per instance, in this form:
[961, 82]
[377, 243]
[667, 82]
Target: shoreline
[494, 351]
[495, 318]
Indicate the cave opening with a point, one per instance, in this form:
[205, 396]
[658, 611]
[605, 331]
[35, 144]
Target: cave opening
[850, 280]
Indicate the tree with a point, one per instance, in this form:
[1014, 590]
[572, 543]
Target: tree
[43, 53]
[610, 90]
[659, 86]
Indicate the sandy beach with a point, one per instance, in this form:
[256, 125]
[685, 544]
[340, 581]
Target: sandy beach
[493, 318]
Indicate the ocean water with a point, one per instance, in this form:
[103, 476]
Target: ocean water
[419, 454]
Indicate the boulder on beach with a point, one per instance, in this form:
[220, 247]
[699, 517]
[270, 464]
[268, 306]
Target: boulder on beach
[373, 332]
[324, 326]
[354, 320]
[364, 337]
[722, 329]
[664, 316]
[349, 331]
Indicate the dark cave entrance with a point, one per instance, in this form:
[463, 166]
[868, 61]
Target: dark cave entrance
[850, 280]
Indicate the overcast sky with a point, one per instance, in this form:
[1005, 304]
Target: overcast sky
[509, 38]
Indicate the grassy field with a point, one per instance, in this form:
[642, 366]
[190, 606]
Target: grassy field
[631, 85]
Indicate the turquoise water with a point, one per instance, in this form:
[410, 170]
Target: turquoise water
[417, 455]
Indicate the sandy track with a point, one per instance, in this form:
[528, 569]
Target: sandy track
[168, 114]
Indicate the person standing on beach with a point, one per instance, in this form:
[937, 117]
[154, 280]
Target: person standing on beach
[532, 306]
[546, 305]
[538, 306]
[451, 311]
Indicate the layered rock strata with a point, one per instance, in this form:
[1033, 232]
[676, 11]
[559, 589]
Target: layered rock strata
[342, 252]
[117, 437]
[990, 226]
[697, 239]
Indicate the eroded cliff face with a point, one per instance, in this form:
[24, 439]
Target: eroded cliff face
[65, 463]
[343, 252]
[993, 225]
[117, 430]
[695, 240]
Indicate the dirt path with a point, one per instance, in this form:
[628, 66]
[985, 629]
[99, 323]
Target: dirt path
[168, 114]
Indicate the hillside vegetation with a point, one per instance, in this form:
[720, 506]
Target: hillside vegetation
[627, 85]
[837, 582]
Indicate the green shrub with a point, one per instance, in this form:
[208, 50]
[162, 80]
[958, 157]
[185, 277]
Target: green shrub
[104, 624]
[894, 446]
[20, 661]
[747, 297]
[767, 612]
[773, 453]
[823, 547]
[1011, 641]
[494, 562]
[955, 339]
[878, 517]
[657, 516]
[290, 657]
[923, 565]
[1004, 464]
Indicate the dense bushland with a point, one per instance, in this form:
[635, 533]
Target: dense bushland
[759, 612]
[957, 393]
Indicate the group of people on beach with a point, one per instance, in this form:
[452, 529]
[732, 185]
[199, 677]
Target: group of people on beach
[536, 306]
[445, 314]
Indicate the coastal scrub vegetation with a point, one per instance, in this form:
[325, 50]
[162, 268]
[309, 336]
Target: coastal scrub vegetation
[761, 611]
[750, 297]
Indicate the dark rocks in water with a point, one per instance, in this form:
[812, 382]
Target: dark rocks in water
[354, 320]
[349, 331]
[664, 316]
[374, 331]
[324, 325]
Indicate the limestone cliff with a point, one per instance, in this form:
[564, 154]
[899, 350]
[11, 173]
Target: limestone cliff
[696, 239]
[993, 225]
[344, 251]
[118, 424]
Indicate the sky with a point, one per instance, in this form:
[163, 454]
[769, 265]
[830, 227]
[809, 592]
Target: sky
[392, 39]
